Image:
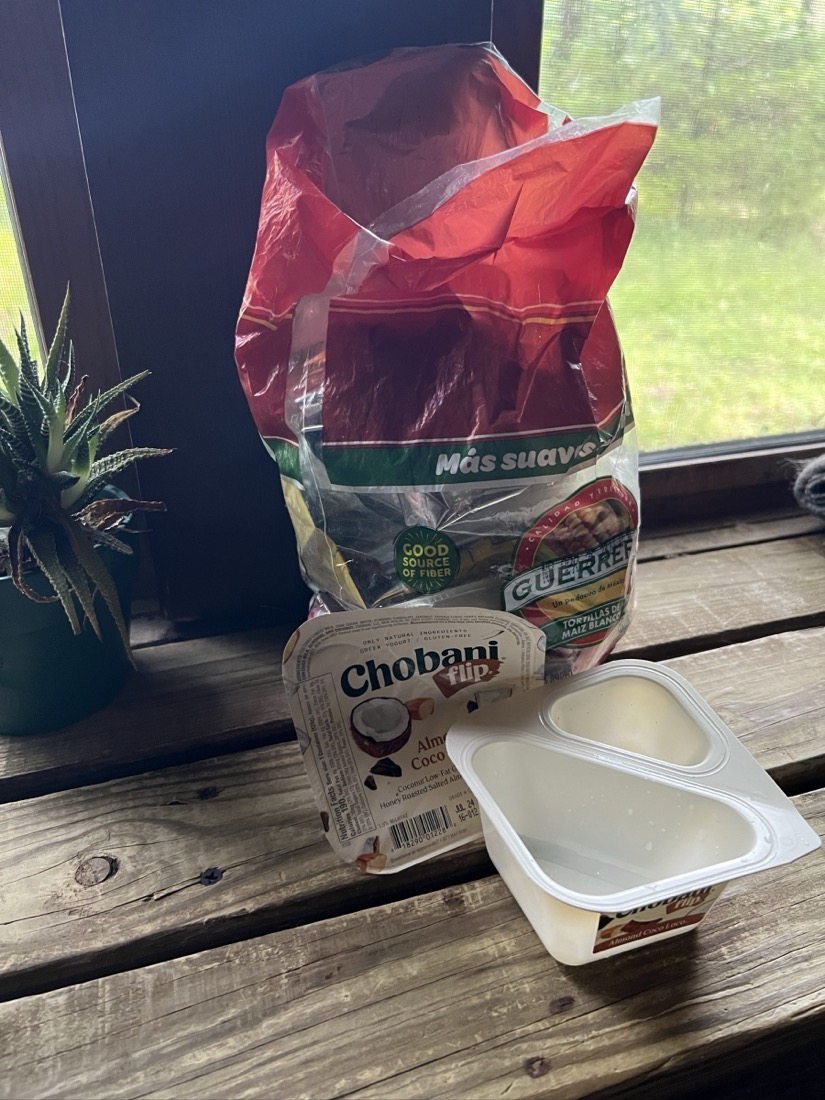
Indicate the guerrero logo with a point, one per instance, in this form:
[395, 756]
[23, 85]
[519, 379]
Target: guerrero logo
[571, 569]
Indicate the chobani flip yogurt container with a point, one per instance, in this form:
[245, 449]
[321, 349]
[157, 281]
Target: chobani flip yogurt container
[616, 805]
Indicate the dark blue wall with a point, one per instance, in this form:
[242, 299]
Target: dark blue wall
[174, 100]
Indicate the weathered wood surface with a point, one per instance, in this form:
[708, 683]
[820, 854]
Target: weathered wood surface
[708, 599]
[197, 698]
[448, 994]
[718, 534]
[252, 816]
[188, 700]
[248, 819]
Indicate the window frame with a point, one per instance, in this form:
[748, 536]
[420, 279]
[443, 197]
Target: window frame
[728, 478]
[47, 178]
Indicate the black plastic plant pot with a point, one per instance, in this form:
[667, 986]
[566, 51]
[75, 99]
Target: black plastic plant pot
[50, 677]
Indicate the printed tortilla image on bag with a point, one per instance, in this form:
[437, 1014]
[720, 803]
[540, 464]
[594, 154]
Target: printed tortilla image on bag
[427, 349]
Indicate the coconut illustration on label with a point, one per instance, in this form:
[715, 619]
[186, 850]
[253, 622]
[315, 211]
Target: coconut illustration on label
[380, 726]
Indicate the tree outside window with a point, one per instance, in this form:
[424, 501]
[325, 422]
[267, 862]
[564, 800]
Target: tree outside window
[721, 303]
[15, 294]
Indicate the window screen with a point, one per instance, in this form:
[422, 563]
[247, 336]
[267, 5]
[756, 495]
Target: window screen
[15, 295]
[721, 302]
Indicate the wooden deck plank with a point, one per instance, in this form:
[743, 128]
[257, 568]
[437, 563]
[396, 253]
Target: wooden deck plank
[714, 598]
[449, 994]
[252, 815]
[720, 534]
[188, 700]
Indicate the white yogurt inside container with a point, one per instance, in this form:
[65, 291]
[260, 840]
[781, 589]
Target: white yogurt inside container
[616, 805]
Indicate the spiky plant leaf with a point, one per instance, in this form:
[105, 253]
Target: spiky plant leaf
[82, 466]
[108, 396]
[104, 468]
[78, 582]
[44, 550]
[110, 464]
[88, 560]
[68, 374]
[63, 480]
[12, 447]
[113, 422]
[51, 381]
[82, 424]
[103, 514]
[13, 419]
[28, 363]
[106, 538]
[16, 544]
[74, 397]
[29, 403]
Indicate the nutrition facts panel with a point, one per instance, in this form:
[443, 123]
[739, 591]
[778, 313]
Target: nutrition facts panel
[349, 811]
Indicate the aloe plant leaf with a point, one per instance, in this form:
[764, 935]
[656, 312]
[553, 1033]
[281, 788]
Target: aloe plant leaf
[77, 543]
[68, 373]
[13, 419]
[32, 395]
[63, 480]
[44, 551]
[113, 422]
[12, 446]
[84, 551]
[28, 365]
[110, 464]
[16, 542]
[56, 351]
[106, 538]
[81, 428]
[75, 395]
[102, 514]
[103, 399]
[29, 404]
[104, 468]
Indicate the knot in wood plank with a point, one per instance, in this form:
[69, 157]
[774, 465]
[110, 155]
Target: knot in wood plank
[537, 1067]
[92, 872]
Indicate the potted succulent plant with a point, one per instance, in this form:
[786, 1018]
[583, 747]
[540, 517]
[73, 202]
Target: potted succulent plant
[65, 566]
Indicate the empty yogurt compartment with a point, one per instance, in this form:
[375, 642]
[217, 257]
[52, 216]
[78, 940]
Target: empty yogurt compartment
[627, 708]
[616, 806]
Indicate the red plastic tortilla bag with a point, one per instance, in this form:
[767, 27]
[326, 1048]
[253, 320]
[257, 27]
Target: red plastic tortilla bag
[427, 350]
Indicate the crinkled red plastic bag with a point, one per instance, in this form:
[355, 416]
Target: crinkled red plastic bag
[426, 346]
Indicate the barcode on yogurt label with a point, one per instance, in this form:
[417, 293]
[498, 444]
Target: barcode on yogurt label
[431, 823]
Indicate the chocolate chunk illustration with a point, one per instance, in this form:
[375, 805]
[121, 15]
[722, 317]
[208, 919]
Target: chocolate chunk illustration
[387, 767]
